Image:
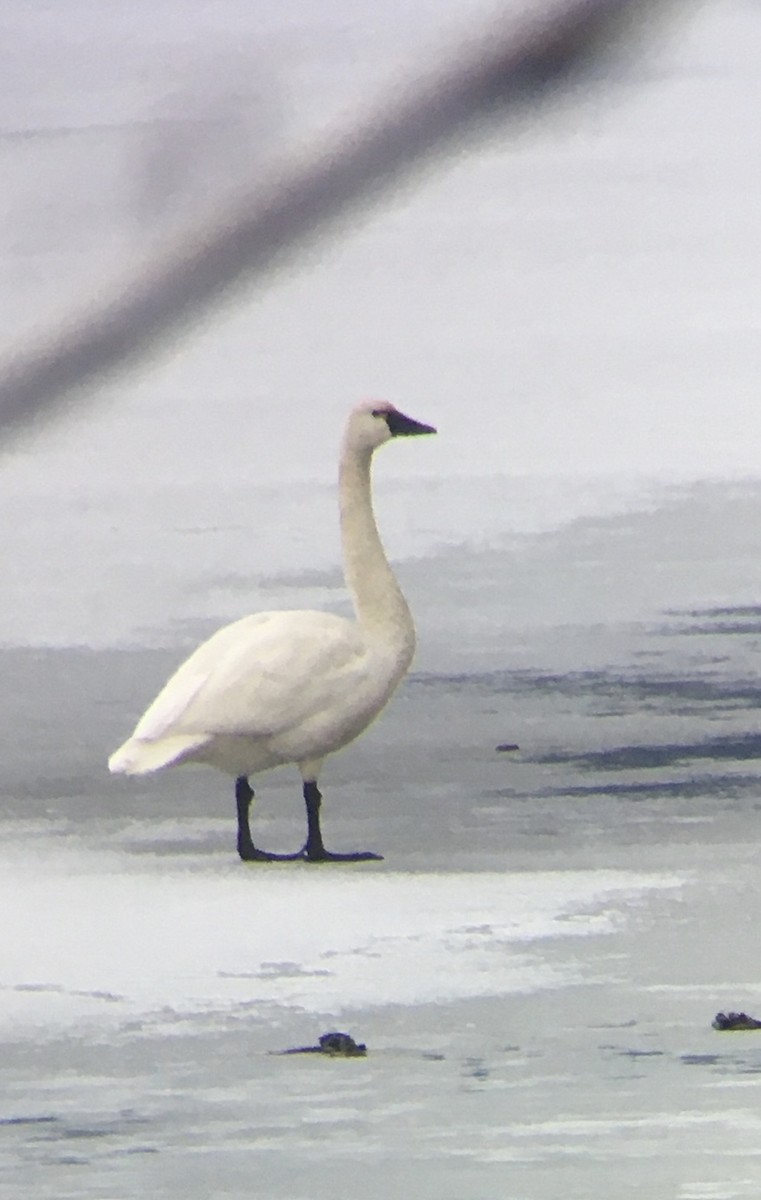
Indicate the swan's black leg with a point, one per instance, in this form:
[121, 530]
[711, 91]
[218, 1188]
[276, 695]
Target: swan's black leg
[244, 794]
[314, 850]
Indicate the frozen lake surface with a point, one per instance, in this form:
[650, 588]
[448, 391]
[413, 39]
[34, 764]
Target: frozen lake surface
[534, 965]
[116, 940]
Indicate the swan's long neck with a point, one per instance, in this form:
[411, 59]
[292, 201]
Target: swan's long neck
[381, 609]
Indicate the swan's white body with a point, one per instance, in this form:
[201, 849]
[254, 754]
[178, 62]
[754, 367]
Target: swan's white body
[292, 687]
[273, 688]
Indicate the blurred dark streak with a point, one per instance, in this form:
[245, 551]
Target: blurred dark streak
[741, 747]
[696, 787]
[505, 70]
[739, 629]
[617, 691]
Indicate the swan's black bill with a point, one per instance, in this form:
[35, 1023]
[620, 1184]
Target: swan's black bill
[401, 426]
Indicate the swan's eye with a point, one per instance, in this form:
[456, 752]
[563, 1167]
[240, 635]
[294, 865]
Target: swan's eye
[379, 412]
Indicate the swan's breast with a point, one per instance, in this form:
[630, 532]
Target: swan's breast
[344, 710]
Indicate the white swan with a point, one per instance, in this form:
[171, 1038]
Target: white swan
[292, 687]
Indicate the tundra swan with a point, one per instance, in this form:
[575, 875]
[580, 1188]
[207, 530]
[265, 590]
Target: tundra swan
[293, 687]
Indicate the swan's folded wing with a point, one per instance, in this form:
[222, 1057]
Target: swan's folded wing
[257, 677]
[166, 713]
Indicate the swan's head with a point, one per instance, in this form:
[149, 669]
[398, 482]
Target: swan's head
[375, 421]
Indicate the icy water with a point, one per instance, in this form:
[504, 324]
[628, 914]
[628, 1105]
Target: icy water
[536, 962]
[534, 965]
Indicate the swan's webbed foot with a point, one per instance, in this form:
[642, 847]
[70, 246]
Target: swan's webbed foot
[320, 854]
[251, 853]
[244, 794]
[314, 850]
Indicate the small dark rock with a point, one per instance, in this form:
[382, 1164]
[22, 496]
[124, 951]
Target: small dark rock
[734, 1020]
[335, 1045]
[505, 746]
[341, 1044]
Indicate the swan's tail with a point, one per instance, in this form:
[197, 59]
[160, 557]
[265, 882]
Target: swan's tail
[139, 757]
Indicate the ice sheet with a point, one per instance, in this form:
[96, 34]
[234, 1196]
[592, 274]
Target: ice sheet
[85, 937]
